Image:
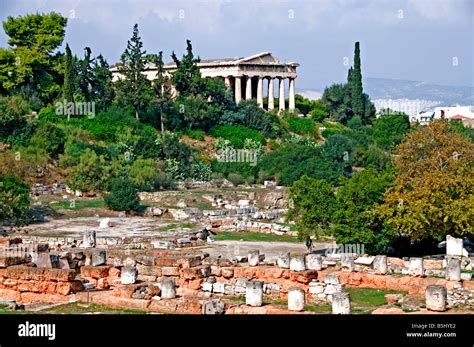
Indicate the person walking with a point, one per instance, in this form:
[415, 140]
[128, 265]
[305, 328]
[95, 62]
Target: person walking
[309, 244]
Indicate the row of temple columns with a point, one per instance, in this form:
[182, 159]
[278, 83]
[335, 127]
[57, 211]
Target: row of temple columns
[238, 86]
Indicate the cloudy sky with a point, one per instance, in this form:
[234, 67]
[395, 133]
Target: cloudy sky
[425, 40]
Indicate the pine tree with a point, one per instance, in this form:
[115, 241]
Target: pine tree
[187, 77]
[133, 89]
[355, 83]
[69, 76]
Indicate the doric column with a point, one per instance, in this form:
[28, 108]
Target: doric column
[227, 81]
[281, 103]
[291, 103]
[238, 89]
[248, 88]
[271, 102]
[260, 92]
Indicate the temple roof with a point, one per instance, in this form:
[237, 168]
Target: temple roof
[263, 58]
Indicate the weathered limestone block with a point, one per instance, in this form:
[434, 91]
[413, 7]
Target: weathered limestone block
[168, 289]
[283, 260]
[296, 299]
[416, 267]
[105, 223]
[213, 307]
[341, 303]
[454, 246]
[314, 262]
[218, 288]
[129, 275]
[254, 293]
[297, 262]
[98, 257]
[380, 264]
[347, 262]
[254, 257]
[316, 287]
[453, 269]
[89, 239]
[436, 298]
[331, 279]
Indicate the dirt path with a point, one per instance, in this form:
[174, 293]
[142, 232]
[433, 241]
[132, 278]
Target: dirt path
[271, 250]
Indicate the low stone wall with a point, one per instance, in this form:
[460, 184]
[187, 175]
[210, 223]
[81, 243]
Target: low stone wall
[25, 284]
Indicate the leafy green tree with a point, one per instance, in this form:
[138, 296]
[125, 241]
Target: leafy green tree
[123, 195]
[433, 194]
[33, 39]
[337, 101]
[390, 128]
[14, 201]
[338, 149]
[8, 74]
[319, 111]
[187, 77]
[69, 76]
[353, 222]
[133, 88]
[195, 112]
[312, 203]
[373, 157]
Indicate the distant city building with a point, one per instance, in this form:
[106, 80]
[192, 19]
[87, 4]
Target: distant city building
[463, 114]
[245, 76]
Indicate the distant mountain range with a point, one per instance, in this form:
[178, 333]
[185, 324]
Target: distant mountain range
[383, 89]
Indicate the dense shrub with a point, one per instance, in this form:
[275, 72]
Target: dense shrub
[123, 195]
[14, 200]
[235, 178]
[90, 173]
[51, 138]
[237, 134]
[302, 126]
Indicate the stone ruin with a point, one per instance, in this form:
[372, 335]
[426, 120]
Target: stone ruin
[185, 280]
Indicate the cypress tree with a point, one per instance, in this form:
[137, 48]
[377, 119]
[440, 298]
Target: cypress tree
[356, 85]
[69, 76]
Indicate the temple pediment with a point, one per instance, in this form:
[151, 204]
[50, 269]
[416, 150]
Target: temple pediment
[260, 58]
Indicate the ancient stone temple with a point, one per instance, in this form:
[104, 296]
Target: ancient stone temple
[246, 77]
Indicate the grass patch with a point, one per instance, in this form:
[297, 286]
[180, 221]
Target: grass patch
[319, 308]
[76, 204]
[173, 226]
[84, 308]
[365, 300]
[251, 236]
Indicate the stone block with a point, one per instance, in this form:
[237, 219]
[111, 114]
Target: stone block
[297, 262]
[314, 262]
[296, 299]
[213, 307]
[283, 260]
[341, 303]
[436, 298]
[128, 275]
[254, 293]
